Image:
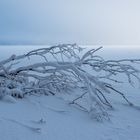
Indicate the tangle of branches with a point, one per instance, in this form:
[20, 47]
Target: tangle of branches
[66, 67]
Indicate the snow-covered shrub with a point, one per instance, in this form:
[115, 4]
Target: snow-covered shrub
[63, 68]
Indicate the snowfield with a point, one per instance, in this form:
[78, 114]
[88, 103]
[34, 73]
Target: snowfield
[52, 118]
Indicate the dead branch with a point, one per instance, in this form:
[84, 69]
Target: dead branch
[63, 68]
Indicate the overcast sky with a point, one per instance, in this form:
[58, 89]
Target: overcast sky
[107, 22]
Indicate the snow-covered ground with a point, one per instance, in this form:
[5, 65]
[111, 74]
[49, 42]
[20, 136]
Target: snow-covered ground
[52, 118]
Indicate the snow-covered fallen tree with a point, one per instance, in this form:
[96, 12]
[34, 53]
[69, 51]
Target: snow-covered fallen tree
[66, 67]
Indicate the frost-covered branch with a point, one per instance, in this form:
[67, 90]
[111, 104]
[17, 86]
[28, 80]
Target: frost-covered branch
[66, 67]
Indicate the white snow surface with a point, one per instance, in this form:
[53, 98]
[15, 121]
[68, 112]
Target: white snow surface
[52, 118]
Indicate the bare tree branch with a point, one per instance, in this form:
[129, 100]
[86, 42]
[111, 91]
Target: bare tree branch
[67, 70]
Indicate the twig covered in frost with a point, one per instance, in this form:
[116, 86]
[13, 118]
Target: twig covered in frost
[66, 70]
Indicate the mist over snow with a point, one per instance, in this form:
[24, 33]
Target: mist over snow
[85, 22]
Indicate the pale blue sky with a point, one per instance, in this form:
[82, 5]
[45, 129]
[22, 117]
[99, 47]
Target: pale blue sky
[97, 22]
